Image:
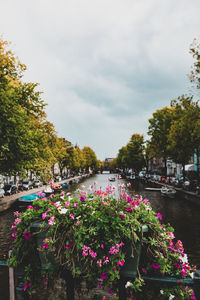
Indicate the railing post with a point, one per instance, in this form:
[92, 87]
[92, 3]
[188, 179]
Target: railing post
[197, 284]
[67, 276]
[122, 289]
[19, 272]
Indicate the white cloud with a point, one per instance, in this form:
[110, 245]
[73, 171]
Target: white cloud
[104, 66]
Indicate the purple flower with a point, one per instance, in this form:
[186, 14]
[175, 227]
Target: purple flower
[82, 199]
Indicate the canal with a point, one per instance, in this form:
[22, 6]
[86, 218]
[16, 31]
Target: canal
[180, 213]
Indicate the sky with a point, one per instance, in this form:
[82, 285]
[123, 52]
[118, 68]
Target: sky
[104, 66]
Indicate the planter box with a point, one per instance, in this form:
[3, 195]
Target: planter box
[47, 259]
[130, 268]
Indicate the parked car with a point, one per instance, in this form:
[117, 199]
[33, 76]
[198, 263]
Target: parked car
[10, 189]
[26, 185]
[37, 183]
[2, 193]
[58, 178]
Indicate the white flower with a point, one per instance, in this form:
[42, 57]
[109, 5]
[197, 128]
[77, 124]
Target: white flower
[128, 284]
[69, 198]
[161, 291]
[192, 275]
[171, 297]
[63, 211]
[83, 186]
[184, 258]
[68, 194]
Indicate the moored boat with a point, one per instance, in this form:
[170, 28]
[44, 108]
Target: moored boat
[64, 185]
[111, 178]
[168, 191]
[27, 200]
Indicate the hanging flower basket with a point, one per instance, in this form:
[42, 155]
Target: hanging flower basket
[98, 237]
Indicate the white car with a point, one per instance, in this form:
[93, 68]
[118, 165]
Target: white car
[2, 193]
[37, 183]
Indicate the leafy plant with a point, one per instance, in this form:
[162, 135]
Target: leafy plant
[89, 234]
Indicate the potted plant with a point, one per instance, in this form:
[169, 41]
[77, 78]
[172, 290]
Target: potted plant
[94, 235]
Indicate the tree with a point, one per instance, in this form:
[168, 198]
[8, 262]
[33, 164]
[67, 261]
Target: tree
[159, 129]
[20, 106]
[135, 152]
[122, 158]
[91, 160]
[195, 70]
[184, 134]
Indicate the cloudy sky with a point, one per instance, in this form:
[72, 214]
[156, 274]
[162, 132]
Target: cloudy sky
[104, 65]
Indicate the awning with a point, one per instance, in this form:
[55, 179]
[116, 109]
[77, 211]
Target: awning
[189, 167]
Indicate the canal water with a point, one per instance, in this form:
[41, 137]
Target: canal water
[180, 213]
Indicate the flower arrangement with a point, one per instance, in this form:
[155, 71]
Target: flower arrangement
[88, 234]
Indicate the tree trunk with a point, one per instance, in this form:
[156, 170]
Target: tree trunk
[165, 167]
[197, 152]
[183, 171]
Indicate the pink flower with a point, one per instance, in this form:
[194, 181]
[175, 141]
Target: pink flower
[99, 262]
[106, 261]
[17, 214]
[51, 221]
[44, 215]
[120, 263]
[17, 221]
[145, 201]
[27, 235]
[45, 282]
[159, 216]
[155, 266]
[52, 196]
[71, 216]
[122, 216]
[104, 276]
[102, 246]
[45, 246]
[67, 203]
[129, 208]
[25, 286]
[171, 234]
[13, 236]
[30, 207]
[68, 246]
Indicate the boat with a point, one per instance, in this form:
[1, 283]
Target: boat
[111, 178]
[64, 185]
[57, 188]
[27, 200]
[48, 191]
[168, 191]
